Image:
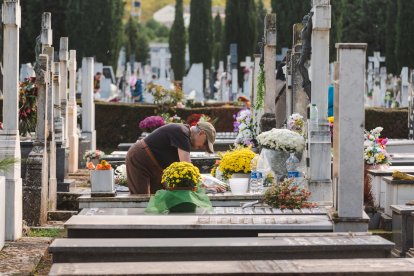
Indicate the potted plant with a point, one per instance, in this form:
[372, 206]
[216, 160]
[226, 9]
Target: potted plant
[287, 195]
[277, 144]
[102, 178]
[182, 190]
[120, 176]
[245, 128]
[296, 123]
[235, 167]
[151, 123]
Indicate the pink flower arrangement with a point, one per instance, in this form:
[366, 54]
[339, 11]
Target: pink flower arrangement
[151, 123]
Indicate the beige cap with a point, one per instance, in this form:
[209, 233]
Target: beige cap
[210, 133]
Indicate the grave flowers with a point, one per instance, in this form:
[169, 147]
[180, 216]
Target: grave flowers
[277, 144]
[121, 175]
[375, 156]
[296, 123]
[151, 123]
[235, 167]
[182, 190]
[93, 156]
[27, 106]
[245, 128]
[102, 178]
[193, 119]
[287, 195]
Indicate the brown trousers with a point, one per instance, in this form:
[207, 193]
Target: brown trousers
[143, 171]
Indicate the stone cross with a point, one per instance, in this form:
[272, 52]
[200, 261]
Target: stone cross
[383, 85]
[348, 149]
[63, 91]
[9, 136]
[88, 105]
[35, 186]
[404, 87]
[233, 71]
[376, 59]
[51, 143]
[268, 120]
[248, 65]
[72, 115]
[320, 56]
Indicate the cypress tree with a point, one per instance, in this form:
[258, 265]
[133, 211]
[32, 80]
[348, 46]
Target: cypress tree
[390, 34]
[240, 28]
[200, 33]
[91, 28]
[288, 12]
[404, 50]
[177, 42]
[218, 30]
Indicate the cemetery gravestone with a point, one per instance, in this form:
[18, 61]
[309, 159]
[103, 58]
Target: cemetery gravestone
[350, 114]
[9, 136]
[268, 120]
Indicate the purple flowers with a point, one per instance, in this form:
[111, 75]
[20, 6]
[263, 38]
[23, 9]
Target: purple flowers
[151, 123]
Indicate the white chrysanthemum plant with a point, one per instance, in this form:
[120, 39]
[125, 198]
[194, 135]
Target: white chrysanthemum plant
[282, 139]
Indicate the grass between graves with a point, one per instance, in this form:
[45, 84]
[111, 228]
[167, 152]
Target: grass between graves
[47, 232]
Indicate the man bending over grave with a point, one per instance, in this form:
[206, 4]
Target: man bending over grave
[147, 158]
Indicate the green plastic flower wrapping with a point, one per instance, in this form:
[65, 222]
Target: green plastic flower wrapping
[165, 201]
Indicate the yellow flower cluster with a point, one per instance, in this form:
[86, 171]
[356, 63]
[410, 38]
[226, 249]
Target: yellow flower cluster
[181, 174]
[236, 161]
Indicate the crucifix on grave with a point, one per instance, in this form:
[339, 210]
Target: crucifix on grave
[248, 76]
[9, 135]
[268, 120]
[376, 61]
[35, 186]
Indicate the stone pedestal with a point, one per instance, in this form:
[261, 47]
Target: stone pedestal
[72, 115]
[88, 105]
[402, 229]
[348, 149]
[270, 65]
[2, 211]
[9, 136]
[35, 192]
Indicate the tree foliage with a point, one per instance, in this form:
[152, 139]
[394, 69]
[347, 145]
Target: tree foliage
[218, 37]
[200, 33]
[288, 12]
[240, 28]
[177, 42]
[136, 41]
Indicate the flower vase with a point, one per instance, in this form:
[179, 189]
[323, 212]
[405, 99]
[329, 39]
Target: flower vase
[277, 160]
[102, 182]
[239, 183]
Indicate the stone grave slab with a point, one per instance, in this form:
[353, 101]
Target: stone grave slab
[125, 200]
[402, 159]
[336, 267]
[379, 185]
[216, 211]
[400, 146]
[402, 229]
[187, 226]
[297, 246]
[398, 192]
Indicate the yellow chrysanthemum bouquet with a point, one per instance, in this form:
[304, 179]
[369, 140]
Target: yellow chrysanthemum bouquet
[182, 191]
[236, 161]
[181, 175]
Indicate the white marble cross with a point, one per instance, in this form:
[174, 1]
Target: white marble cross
[248, 64]
[376, 59]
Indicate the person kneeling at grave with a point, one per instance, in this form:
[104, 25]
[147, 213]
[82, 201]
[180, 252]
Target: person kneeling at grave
[170, 143]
